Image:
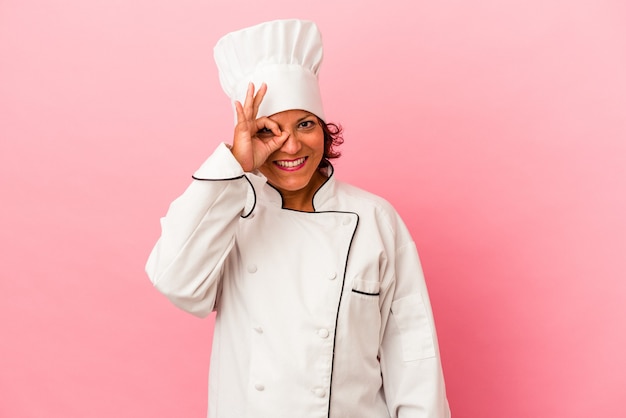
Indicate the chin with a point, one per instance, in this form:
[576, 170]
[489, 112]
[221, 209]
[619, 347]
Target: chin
[289, 186]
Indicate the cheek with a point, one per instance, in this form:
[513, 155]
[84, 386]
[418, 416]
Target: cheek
[318, 143]
[265, 168]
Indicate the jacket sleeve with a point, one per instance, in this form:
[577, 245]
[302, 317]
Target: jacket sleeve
[409, 355]
[197, 234]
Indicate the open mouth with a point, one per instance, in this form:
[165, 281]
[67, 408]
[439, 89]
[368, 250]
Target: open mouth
[290, 164]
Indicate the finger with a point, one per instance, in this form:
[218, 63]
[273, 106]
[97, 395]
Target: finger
[239, 111]
[259, 98]
[248, 104]
[276, 142]
[265, 122]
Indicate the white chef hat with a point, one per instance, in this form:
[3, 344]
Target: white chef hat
[284, 54]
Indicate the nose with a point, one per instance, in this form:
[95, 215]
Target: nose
[291, 145]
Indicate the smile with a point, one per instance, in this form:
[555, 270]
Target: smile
[290, 165]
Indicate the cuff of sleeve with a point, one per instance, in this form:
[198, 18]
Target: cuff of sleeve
[221, 165]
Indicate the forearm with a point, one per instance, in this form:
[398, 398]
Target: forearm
[198, 233]
[410, 359]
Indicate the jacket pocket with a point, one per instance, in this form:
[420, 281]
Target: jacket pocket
[413, 321]
[366, 288]
[363, 327]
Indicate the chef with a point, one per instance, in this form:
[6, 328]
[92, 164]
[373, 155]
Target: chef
[321, 305]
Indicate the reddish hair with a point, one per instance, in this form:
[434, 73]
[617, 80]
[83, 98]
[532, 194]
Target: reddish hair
[333, 137]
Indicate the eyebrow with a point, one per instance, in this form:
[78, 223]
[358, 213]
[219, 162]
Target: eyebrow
[305, 117]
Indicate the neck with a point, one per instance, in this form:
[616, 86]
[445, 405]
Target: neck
[302, 200]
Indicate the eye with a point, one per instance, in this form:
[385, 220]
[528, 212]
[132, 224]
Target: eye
[306, 124]
[264, 132]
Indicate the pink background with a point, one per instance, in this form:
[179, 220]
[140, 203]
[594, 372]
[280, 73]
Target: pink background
[497, 129]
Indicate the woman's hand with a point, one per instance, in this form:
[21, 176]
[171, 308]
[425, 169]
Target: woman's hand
[255, 139]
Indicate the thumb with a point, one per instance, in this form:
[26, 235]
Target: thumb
[277, 141]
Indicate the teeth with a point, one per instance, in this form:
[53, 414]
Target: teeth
[290, 164]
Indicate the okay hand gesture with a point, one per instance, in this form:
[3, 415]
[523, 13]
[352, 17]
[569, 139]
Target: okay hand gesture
[255, 139]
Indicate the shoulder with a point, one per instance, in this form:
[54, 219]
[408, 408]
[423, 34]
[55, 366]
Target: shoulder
[378, 219]
[363, 198]
[367, 205]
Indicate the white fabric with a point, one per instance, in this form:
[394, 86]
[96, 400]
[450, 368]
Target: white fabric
[322, 314]
[284, 54]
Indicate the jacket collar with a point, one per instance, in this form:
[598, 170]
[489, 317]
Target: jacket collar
[321, 198]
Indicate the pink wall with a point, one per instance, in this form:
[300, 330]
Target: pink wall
[497, 129]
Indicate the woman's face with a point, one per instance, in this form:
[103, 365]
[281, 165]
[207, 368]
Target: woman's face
[291, 168]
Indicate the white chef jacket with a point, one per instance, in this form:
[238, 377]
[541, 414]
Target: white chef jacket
[319, 314]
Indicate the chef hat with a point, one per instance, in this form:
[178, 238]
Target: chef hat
[284, 54]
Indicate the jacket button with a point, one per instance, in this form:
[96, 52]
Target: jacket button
[259, 387]
[252, 268]
[323, 333]
[259, 330]
[332, 276]
[319, 392]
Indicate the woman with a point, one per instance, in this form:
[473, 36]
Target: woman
[322, 309]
